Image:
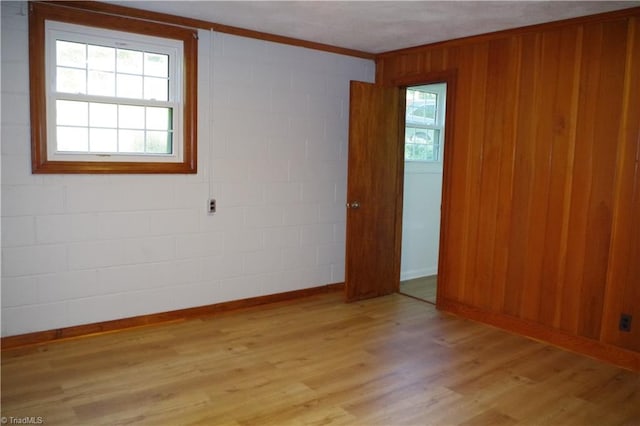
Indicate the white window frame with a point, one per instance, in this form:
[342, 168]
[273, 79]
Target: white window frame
[440, 89]
[55, 30]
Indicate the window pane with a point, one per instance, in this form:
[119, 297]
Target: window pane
[131, 141]
[71, 113]
[415, 135]
[103, 140]
[426, 136]
[420, 137]
[421, 114]
[101, 83]
[420, 152]
[156, 88]
[422, 144]
[129, 86]
[131, 117]
[69, 80]
[71, 54]
[72, 139]
[421, 107]
[129, 61]
[103, 115]
[158, 118]
[159, 142]
[102, 58]
[408, 152]
[156, 65]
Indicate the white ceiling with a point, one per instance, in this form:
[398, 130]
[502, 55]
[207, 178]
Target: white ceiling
[379, 26]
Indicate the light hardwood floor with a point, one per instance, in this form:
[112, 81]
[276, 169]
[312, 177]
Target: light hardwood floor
[387, 361]
[424, 288]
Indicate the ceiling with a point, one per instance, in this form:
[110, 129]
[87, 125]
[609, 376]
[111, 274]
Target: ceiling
[378, 26]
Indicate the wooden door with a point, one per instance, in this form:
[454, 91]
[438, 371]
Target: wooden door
[374, 191]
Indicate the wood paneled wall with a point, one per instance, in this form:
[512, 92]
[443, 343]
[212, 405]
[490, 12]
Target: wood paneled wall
[541, 207]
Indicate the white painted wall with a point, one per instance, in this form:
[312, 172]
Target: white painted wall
[272, 147]
[421, 220]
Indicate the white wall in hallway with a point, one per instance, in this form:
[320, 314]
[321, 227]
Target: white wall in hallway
[421, 219]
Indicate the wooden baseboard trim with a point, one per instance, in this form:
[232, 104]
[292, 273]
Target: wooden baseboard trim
[66, 333]
[602, 351]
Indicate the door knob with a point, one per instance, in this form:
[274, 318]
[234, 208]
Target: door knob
[354, 205]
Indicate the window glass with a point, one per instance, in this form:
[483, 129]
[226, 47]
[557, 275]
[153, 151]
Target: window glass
[72, 113]
[158, 142]
[156, 65]
[131, 141]
[158, 118]
[101, 83]
[130, 61]
[103, 115]
[101, 58]
[98, 70]
[72, 139]
[103, 140]
[131, 117]
[156, 88]
[69, 80]
[70, 54]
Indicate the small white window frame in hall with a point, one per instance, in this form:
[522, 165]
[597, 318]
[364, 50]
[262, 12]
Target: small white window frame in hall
[60, 31]
[440, 89]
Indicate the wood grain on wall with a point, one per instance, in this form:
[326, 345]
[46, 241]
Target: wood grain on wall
[543, 193]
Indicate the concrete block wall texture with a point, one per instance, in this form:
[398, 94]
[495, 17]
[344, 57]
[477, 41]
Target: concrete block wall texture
[273, 129]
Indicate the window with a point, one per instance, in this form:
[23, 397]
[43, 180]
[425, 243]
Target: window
[424, 123]
[110, 94]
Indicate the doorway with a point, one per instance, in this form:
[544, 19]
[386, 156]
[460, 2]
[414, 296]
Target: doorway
[424, 138]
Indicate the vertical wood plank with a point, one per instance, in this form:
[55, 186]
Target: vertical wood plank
[456, 265]
[522, 192]
[628, 289]
[607, 98]
[472, 292]
[623, 292]
[560, 307]
[510, 114]
[409, 64]
[560, 55]
[503, 68]
[541, 153]
[582, 180]
[437, 59]
[492, 140]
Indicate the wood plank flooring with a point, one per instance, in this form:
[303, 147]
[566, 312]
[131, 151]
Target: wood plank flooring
[424, 288]
[387, 361]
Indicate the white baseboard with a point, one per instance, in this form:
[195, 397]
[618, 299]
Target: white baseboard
[417, 273]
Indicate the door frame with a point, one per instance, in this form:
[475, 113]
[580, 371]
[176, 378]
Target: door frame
[449, 77]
